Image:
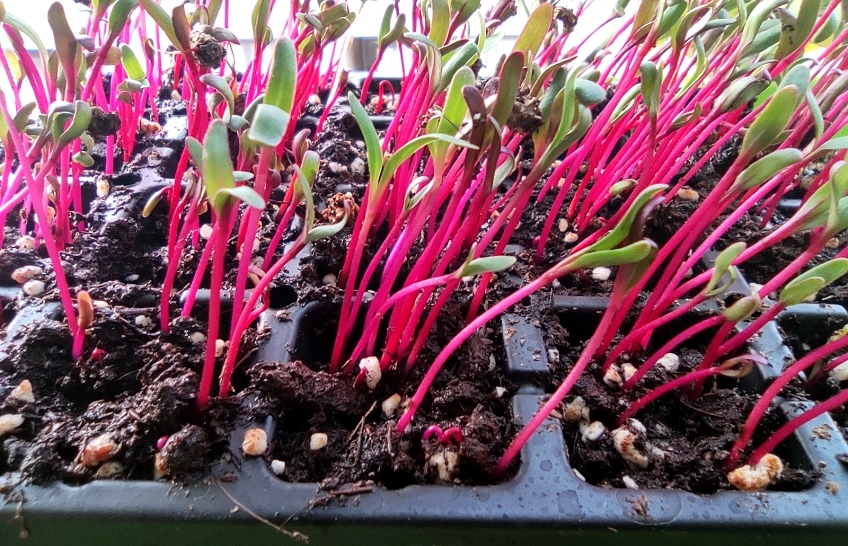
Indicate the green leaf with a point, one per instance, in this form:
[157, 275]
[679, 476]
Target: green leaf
[815, 112]
[439, 16]
[622, 186]
[488, 264]
[768, 36]
[310, 20]
[632, 253]
[534, 31]
[724, 265]
[79, 123]
[372, 141]
[21, 26]
[322, 232]
[242, 176]
[217, 167]
[687, 117]
[766, 167]
[246, 194]
[509, 81]
[827, 30]
[815, 210]
[87, 141]
[310, 165]
[282, 79]
[120, 14]
[623, 228]
[804, 286]
[22, 117]
[743, 308]
[771, 122]
[834, 144]
[755, 19]
[131, 65]
[808, 13]
[83, 158]
[644, 18]
[259, 19]
[419, 189]
[739, 93]
[629, 274]
[410, 148]
[670, 17]
[416, 37]
[132, 86]
[213, 7]
[269, 125]
[799, 76]
[154, 200]
[237, 123]
[680, 32]
[250, 109]
[454, 110]
[650, 88]
[221, 86]
[464, 56]
[162, 19]
[195, 150]
[588, 92]
[394, 34]
[568, 133]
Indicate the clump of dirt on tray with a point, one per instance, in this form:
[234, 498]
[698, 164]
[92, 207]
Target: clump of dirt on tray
[361, 442]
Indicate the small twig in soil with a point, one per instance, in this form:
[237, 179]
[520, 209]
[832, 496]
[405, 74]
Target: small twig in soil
[352, 490]
[360, 424]
[703, 412]
[246, 356]
[279, 528]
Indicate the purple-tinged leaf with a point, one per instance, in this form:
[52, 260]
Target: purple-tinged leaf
[182, 29]
[65, 39]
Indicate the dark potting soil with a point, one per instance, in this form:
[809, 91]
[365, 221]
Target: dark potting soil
[686, 439]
